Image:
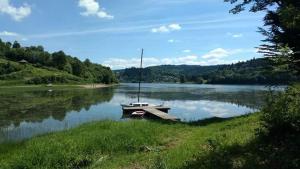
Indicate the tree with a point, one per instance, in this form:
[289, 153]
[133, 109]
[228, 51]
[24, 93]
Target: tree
[59, 59]
[87, 62]
[8, 44]
[78, 68]
[36, 55]
[283, 25]
[44, 58]
[107, 79]
[2, 44]
[182, 79]
[199, 80]
[2, 49]
[40, 48]
[16, 45]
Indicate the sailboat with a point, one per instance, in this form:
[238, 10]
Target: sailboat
[138, 103]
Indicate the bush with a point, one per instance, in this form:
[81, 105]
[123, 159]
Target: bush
[7, 68]
[279, 136]
[281, 114]
[52, 79]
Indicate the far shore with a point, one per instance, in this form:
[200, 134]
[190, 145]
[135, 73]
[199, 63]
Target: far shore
[82, 86]
[95, 86]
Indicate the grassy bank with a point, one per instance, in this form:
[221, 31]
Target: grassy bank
[133, 144]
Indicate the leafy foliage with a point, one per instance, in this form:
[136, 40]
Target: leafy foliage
[7, 68]
[52, 68]
[280, 134]
[281, 115]
[255, 71]
[282, 20]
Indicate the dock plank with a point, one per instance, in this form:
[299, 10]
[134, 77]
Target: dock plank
[160, 114]
[142, 108]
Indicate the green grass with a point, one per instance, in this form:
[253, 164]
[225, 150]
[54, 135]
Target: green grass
[132, 144]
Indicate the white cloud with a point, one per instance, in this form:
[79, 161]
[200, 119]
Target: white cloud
[214, 57]
[175, 26]
[171, 40]
[6, 33]
[133, 62]
[93, 8]
[216, 53]
[17, 13]
[13, 36]
[161, 29]
[186, 51]
[188, 60]
[218, 61]
[217, 56]
[166, 28]
[118, 63]
[235, 35]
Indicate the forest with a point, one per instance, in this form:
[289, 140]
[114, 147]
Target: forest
[34, 65]
[254, 71]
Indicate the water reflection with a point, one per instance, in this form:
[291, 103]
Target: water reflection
[27, 129]
[35, 106]
[26, 113]
[195, 110]
[242, 95]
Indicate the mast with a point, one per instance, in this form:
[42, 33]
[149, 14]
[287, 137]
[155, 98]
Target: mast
[141, 67]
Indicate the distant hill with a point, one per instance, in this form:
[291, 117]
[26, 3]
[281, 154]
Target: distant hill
[255, 71]
[33, 65]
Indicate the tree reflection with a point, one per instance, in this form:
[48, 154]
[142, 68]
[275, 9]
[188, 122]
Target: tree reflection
[37, 105]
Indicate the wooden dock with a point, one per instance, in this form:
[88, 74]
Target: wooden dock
[132, 109]
[159, 112]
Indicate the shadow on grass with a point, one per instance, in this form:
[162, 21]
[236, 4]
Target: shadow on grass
[203, 122]
[208, 121]
[224, 157]
[257, 154]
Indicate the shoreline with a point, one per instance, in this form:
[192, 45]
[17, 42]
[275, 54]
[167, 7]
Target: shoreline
[96, 86]
[79, 86]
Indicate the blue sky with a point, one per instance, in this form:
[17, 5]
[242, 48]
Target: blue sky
[112, 32]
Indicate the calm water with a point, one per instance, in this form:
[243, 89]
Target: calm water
[28, 112]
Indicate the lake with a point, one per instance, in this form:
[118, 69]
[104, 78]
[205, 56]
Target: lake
[28, 112]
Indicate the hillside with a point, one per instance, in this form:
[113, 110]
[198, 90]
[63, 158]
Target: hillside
[255, 71]
[33, 65]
